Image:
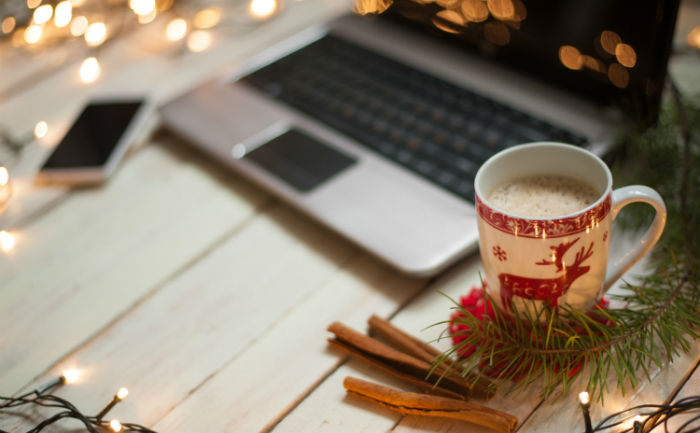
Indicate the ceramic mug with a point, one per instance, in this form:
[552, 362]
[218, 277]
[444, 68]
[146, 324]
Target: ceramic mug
[528, 261]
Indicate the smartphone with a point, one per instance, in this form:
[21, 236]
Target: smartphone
[95, 142]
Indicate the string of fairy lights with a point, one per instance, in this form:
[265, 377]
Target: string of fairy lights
[41, 24]
[646, 417]
[637, 419]
[61, 409]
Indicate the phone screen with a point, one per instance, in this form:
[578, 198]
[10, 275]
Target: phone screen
[92, 138]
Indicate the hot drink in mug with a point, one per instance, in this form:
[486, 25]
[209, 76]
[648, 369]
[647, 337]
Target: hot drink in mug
[545, 212]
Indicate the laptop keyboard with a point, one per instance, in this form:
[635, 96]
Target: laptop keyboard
[436, 129]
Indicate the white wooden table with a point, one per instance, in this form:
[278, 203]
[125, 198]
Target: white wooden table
[204, 295]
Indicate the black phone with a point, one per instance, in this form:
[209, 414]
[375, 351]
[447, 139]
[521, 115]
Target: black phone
[95, 142]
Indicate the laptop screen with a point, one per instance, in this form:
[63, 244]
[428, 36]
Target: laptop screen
[611, 51]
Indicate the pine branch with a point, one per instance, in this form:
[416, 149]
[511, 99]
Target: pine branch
[661, 314]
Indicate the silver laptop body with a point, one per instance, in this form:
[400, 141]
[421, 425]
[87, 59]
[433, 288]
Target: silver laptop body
[409, 222]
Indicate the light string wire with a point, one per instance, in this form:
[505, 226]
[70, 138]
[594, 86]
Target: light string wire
[93, 424]
[653, 416]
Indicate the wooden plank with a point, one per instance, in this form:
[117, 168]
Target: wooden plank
[88, 260]
[237, 300]
[566, 412]
[342, 413]
[274, 374]
[691, 388]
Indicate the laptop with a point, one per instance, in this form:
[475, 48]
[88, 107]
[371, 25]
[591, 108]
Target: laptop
[375, 125]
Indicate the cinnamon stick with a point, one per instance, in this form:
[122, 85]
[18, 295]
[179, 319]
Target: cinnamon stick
[409, 344]
[421, 384]
[429, 405]
[398, 362]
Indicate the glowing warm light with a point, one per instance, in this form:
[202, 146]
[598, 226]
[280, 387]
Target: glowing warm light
[77, 3]
[164, 5]
[115, 425]
[42, 14]
[198, 41]
[262, 8]
[570, 57]
[609, 40]
[693, 38]
[63, 14]
[497, 33]
[206, 18]
[95, 34]
[78, 25]
[31, 4]
[4, 176]
[584, 398]
[32, 34]
[176, 29]
[501, 9]
[40, 129]
[122, 393]
[145, 19]
[626, 55]
[18, 38]
[8, 24]
[89, 70]
[475, 10]
[364, 7]
[442, 25]
[618, 76]
[520, 11]
[71, 375]
[142, 7]
[452, 16]
[593, 63]
[7, 241]
[448, 4]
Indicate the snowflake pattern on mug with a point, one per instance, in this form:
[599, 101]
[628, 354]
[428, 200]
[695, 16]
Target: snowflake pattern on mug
[500, 254]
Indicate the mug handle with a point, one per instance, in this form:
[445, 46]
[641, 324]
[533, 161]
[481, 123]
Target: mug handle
[621, 197]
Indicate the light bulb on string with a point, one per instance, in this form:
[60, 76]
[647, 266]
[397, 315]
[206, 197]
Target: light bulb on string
[119, 396]
[42, 14]
[145, 19]
[122, 393]
[206, 18]
[89, 70]
[8, 24]
[32, 34]
[4, 176]
[95, 34]
[116, 426]
[199, 40]
[63, 14]
[262, 9]
[40, 129]
[78, 25]
[7, 241]
[71, 375]
[142, 7]
[5, 194]
[585, 400]
[176, 29]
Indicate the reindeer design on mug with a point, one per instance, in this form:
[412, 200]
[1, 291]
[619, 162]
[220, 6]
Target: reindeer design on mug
[546, 289]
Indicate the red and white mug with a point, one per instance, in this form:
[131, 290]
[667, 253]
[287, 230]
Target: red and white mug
[529, 262]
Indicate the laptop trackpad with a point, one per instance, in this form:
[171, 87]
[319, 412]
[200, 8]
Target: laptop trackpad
[299, 160]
